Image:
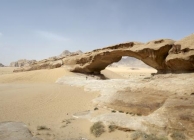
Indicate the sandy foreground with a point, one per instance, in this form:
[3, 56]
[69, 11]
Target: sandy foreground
[36, 100]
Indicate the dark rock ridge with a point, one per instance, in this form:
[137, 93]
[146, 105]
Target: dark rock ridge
[164, 55]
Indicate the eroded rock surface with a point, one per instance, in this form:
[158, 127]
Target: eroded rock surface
[158, 104]
[153, 54]
[181, 55]
[164, 55]
[65, 58]
[15, 131]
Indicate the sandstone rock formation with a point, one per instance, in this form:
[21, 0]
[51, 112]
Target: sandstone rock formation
[22, 63]
[52, 62]
[153, 54]
[1, 65]
[164, 55]
[181, 55]
[15, 131]
[163, 103]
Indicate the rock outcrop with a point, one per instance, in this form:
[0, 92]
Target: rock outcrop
[1, 65]
[164, 55]
[181, 55]
[22, 63]
[153, 54]
[15, 131]
[52, 62]
[163, 103]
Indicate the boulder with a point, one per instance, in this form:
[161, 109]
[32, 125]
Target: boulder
[15, 131]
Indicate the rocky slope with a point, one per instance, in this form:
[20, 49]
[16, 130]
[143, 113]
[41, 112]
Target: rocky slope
[164, 55]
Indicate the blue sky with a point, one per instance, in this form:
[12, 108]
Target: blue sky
[38, 29]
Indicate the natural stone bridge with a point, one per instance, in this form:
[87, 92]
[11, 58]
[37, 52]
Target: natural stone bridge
[152, 54]
[164, 55]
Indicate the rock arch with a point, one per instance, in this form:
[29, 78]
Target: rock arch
[153, 54]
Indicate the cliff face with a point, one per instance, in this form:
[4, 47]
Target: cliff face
[164, 55]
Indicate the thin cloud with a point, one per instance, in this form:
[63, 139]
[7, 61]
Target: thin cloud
[52, 36]
[1, 34]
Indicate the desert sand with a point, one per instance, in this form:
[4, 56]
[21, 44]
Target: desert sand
[63, 102]
[126, 71]
[6, 70]
[34, 99]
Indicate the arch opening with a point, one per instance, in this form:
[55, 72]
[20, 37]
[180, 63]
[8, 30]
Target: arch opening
[129, 66]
